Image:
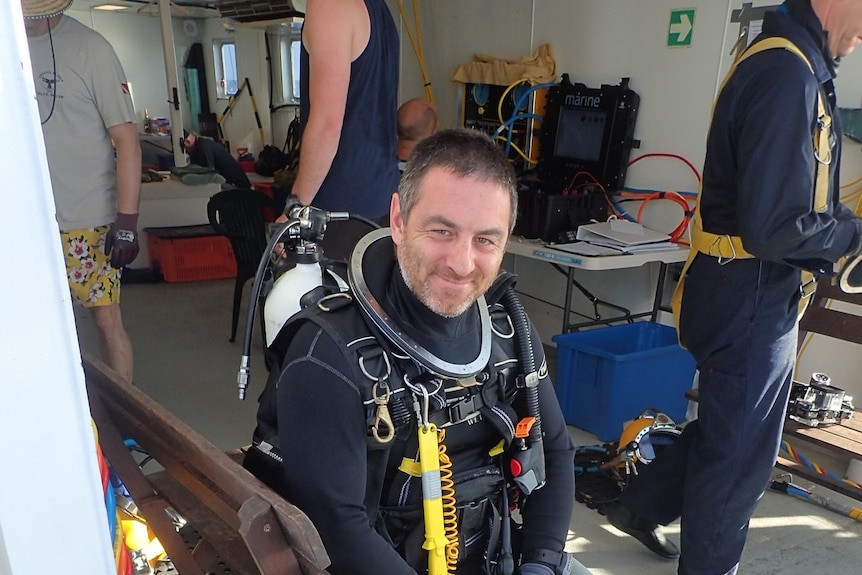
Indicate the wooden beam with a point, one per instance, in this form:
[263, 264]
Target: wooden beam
[211, 476]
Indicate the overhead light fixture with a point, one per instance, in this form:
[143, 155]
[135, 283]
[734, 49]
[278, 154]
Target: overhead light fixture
[258, 10]
[109, 7]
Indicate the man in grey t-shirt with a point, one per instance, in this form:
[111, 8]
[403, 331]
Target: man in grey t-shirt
[87, 114]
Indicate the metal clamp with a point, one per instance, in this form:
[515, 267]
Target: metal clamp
[721, 259]
[823, 124]
[808, 288]
[382, 415]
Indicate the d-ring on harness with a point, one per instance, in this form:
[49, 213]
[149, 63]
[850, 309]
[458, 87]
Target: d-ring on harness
[380, 392]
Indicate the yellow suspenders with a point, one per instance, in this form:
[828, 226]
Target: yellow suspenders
[728, 248]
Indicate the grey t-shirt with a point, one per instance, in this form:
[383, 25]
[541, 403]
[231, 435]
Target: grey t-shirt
[91, 95]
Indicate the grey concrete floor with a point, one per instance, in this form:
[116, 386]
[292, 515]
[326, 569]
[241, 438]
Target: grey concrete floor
[183, 360]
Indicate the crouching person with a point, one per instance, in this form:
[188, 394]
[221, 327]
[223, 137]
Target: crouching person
[412, 415]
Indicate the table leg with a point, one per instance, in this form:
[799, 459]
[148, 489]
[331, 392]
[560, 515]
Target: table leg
[659, 292]
[567, 304]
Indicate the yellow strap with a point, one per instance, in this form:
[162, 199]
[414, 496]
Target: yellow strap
[432, 500]
[727, 247]
[730, 247]
[410, 467]
[823, 130]
[498, 449]
[724, 247]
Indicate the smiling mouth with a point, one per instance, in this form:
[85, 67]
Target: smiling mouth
[457, 282]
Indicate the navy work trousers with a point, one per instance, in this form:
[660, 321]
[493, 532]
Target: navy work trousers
[744, 341]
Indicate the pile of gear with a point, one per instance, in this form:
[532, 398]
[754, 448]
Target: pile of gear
[602, 471]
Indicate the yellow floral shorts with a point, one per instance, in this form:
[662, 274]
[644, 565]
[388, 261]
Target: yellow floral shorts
[92, 280]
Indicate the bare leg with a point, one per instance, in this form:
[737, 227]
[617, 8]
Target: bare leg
[114, 340]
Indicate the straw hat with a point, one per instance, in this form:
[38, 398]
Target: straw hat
[44, 8]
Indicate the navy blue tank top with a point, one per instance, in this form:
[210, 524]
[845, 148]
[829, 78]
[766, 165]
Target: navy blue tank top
[364, 172]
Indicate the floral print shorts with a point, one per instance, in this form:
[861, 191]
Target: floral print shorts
[92, 280]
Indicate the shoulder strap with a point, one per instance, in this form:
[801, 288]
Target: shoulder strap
[372, 373]
[726, 247]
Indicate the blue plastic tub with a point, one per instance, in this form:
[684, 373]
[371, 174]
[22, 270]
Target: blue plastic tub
[610, 375]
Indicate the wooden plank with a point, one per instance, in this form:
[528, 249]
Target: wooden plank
[811, 475]
[832, 323]
[225, 540]
[261, 532]
[826, 290]
[150, 504]
[217, 481]
[855, 422]
[835, 437]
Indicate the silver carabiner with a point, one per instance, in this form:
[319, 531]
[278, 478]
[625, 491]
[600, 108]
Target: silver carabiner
[426, 399]
[823, 125]
[382, 415]
[721, 260]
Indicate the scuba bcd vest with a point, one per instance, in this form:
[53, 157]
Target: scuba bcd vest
[728, 248]
[403, 391]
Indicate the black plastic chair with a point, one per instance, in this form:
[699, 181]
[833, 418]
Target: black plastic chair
[239, 215]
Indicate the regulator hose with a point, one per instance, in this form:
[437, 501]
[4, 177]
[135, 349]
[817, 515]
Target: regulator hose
[527, 361]
[244, 367]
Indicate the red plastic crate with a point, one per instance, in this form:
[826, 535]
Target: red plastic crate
[190, 253]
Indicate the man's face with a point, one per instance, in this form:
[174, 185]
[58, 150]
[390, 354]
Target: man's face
[451, 247]
[842, 19]
[189, 143]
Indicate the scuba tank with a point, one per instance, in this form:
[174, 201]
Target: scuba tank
[290, 285]
[301, 235]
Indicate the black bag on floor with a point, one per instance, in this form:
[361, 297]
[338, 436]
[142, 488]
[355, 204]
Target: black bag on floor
[269, 160]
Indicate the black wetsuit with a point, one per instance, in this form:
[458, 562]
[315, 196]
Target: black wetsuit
[213, 155]
[323, 434]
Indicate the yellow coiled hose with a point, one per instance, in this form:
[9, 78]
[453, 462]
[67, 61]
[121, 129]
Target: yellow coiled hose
[441, 533]
[450, 514]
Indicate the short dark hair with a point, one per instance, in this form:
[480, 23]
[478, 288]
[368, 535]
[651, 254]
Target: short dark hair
[464, 153]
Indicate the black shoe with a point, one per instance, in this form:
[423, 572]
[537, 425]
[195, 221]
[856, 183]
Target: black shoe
[642, 530]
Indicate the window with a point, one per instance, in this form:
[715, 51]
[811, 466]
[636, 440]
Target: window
[288, 44]
[224, 58]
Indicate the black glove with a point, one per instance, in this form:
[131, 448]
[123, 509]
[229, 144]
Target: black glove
[122, 240]
[291, 205]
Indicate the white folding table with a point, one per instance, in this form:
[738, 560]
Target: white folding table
[538, 250]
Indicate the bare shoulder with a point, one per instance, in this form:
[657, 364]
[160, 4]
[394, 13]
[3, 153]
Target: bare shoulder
[342, 21]
[340, 13]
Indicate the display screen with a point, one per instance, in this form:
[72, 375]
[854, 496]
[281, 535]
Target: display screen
[580, 133]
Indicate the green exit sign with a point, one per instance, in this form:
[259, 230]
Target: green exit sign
[681, 27]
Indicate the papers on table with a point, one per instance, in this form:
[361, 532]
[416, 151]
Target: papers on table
[617, 236]
[587, 249]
